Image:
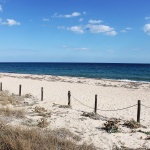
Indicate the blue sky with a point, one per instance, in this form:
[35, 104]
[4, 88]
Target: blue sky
[115, 31]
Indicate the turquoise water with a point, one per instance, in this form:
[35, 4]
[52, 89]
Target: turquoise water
[135, 72]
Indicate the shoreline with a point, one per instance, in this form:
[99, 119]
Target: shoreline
[82, 80]
[48, 75]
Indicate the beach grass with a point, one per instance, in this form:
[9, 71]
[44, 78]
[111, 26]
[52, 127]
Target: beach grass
[37, 138]
[7, 98]
[15, 138]
[6, 111]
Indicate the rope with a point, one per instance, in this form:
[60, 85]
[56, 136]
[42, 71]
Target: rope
[82, 103]
[105, 110]
[145, 106]
[118, 108]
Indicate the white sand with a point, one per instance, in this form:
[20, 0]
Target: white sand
[111, 94]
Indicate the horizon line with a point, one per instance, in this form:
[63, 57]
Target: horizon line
[77, 62]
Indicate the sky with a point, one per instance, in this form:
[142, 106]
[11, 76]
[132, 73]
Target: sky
[105, 31]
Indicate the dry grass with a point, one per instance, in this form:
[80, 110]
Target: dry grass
[43, 123]
[91, 115]
[38, 109]
[64, 106]
[15, 138]
[111, 126]
[145, 132]
[42, 111]
[132, 124]
[20, 113]
[6, 98]
[30, 139]
[65, 133]
[28, 95]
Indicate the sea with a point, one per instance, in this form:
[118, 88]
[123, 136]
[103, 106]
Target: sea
[113, 71]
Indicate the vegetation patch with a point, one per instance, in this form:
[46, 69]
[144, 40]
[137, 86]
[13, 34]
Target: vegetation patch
[42, 111]
[132, 124]
[20, 113]
[91, 115]
[64, 106]
[147, 138]
[65, 133]
[111, 126]
[43, 123]
[6, 98]
[12, 138]
[28, 95]
[145, 132]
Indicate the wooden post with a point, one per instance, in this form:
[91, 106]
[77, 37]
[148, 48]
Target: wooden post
[95, 108]
[1, 86]
[138, 111]
[19, 90]
[41, 93]
[69, 96]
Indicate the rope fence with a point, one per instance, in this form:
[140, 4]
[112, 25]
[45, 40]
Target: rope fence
[145, 106]
[94, 108]
[105, 110]
[82, 103]
[119, 109]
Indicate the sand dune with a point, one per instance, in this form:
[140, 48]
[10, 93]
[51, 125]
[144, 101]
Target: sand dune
[111, 95]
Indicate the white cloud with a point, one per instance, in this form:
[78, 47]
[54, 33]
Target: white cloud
[147, 18]
[95, 21]
[76, 29]
[82, 49]
[45, 19]
[92, 27]
[147, 29]
[81, 19]
[123, 31]
[74, 14]
[95, 29]
[76, 48]
[98, 28]
[111, 33]
[126, 29]
[10, 22]
[1, 9]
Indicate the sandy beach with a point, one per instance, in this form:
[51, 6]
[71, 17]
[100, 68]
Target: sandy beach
[112, 95]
